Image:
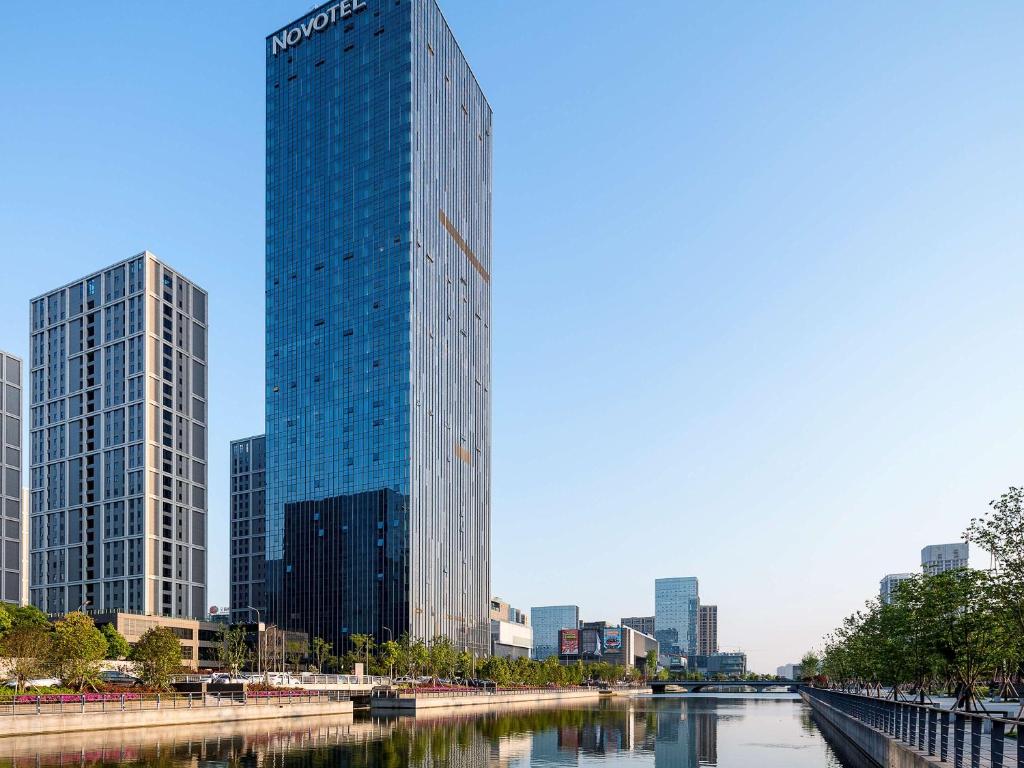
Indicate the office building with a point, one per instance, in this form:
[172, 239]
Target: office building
[200, 640]
[707, 630]
[788, 671]
[378, 308]
[11, 533]
[644, 624]
[939, 558]
[547, 621]
[248, 529]
[118, 443]
[728, 664]
[511, 633]
[601, 641]
[676, 612]
[888, 585]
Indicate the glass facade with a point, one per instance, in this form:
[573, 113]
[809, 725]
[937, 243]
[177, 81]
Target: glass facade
[676, 615]
[248, 529]
[11, 533]
[118, 443]
[378, 327]
[547, 620]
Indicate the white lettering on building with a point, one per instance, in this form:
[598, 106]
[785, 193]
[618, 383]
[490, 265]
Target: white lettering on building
[318, 23]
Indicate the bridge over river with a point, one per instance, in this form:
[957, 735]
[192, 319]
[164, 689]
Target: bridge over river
[725, 686]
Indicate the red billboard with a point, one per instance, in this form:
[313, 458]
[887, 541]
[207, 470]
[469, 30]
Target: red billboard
[613, 638]
[569, 642]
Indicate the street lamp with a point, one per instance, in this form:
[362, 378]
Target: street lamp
[82, 606]
[259, 651]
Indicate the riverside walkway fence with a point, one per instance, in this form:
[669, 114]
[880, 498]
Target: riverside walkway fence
[958, 739]
[61, 703]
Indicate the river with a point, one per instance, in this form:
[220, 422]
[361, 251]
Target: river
[685, 731]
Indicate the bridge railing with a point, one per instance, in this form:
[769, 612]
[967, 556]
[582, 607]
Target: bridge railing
[959, 739]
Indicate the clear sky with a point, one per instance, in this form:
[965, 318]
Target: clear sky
[757, 271]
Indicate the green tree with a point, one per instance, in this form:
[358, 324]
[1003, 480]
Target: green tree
[76, 650]
[464, 664]
[232, 649]
[6, 619]
[28, 615]
[117, 646]
[419, 657]
[158, 656]
[27, 648]
[651, 663]
[321, 652]
[442, 658]
[809, 665]
[363, 645]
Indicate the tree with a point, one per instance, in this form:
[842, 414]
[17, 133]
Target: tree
[233, 651]
[809, 665]
[442, 658]
[28, 615]
[419, 656]
[158, 655]
[321, 652]
[295, 650]
[390, 651]
[6, 619]
[364, 645]
[26, 646]
[651, 663]
[76, 650]
[117, 646]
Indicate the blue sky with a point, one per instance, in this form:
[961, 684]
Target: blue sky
[757, 272]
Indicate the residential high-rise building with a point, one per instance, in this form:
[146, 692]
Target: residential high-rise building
[707, 630]
[888, 585]
[378, 307]
[939, 558]
[676, 611]
[11, 533]
[547, 620]
[118, 443]
[644, 624]
[248, 529]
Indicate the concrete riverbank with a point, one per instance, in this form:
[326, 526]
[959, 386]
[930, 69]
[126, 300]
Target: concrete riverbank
[409, 703]
[29, 723]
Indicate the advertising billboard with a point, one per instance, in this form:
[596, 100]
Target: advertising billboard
[613, 638]
[590, 642]
[569, 642]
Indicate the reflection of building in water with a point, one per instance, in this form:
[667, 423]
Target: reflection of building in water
[676, 743]
[707, 737]
[511, 750]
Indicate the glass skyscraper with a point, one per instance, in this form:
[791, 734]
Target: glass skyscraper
[676, 614]
[378, 253]
[547, 620]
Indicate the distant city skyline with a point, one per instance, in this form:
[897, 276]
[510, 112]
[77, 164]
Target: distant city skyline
[781, 332]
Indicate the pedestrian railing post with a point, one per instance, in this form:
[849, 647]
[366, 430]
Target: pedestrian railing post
[998, 737]
[958, 740]
[975, 742]
[912, 740]
[39, 704]
[922, 727]
[931, 731]
[943, 735]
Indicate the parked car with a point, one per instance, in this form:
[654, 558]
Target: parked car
[116, 677]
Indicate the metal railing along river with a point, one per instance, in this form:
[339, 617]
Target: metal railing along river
[409, 693]
[60, 703]
[960, 739]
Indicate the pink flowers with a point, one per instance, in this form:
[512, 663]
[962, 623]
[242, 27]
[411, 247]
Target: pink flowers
[73, 698]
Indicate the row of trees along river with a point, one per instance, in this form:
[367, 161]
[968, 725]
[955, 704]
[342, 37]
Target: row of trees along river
[958, 633]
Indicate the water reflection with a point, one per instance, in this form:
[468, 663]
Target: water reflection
[662, 732]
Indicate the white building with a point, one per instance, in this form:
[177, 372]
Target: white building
[939, 558]
[887, 586]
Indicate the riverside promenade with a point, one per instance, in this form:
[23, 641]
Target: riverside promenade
[896, 734]
[63, 713]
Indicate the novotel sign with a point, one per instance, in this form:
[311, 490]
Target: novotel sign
[295, 35]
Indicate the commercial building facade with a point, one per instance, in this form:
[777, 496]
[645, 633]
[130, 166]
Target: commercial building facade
[939, 558]
[676, 614]
[707, 630]
[727, 664]
[200, 640]
[118, 443]
[12, 531]
[378, 258]
[888, 584]
[601, 641]
[644, 624]
[248, 529]
[547, 621]
[511, 633]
